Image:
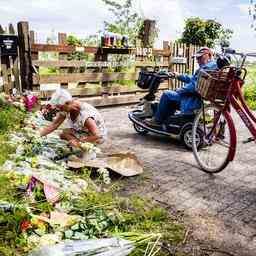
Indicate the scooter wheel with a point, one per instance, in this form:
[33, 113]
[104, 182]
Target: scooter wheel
[186, 138]
[139, 129]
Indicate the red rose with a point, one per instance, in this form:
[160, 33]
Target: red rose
[25, 225]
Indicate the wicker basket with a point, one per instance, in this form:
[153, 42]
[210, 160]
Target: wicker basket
[213, 85]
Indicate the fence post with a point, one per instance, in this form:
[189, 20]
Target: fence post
[25, 56]
[15, 65]
[2, 31]
[5, 68]
[62, 38]
[166, 48]
[32, 37]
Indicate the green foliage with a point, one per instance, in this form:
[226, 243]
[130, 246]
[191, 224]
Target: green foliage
[126, 20]
[204, 32]
[91, 40]
[10, 119]
[88, 41]
[250, 87]
[48, 71]
[5, 149]
[74, 41]
[224, 37]
[109, 214]
[10, 235]
[48, 56]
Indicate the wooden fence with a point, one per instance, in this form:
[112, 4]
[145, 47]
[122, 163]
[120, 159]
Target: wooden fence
[96, 84]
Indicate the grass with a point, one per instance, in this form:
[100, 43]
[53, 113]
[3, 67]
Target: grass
[135, 214]
[10, 119]
[10, 236]
[250, 87]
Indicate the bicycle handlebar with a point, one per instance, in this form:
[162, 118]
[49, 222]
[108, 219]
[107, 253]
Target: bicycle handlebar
[234, 52]
[243, 56]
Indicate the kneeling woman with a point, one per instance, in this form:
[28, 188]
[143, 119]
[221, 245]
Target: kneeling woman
[84, 122]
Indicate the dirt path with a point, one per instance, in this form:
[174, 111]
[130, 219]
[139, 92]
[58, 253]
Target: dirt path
[220, 208]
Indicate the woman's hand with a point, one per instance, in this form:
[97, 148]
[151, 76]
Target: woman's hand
[91, 139]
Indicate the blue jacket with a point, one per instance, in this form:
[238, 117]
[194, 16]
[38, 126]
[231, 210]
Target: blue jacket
[189, 103]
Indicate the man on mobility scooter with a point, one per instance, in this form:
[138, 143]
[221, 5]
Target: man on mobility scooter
[161, 117]
[185, 98]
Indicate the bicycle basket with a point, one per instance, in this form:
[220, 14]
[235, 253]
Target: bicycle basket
[213, 85]
[145, 79]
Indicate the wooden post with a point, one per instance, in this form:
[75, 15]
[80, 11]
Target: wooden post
[5, 66]
[32, 37]
[149, 29]
[2, 31]
[25, 56]
[11, 29]
[166, 48]
[16, 73]
[62, 38]
[14, 64]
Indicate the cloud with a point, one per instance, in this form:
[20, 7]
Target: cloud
[85, 17]
[244, 9]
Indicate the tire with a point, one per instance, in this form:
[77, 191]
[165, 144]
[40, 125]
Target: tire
[218, 144]
[139, 129]
[186, 137]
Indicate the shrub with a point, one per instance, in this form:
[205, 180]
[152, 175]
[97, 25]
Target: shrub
[250, 87]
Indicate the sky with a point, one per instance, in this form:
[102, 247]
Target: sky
[85, 17]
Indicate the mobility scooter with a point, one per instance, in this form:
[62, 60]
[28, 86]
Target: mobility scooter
[178, 126]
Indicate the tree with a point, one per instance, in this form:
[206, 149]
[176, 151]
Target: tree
[224, 37]
[126, 22]
[147, 33]
[73, 40]
[204, 32]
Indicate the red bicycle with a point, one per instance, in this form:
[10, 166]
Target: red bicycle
[222, 89]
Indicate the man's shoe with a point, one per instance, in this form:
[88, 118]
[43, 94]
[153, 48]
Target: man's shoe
[152, 122]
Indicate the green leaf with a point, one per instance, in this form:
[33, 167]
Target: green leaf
[68, 234]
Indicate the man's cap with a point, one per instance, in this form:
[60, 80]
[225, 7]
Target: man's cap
[202, 51]
[60, 97]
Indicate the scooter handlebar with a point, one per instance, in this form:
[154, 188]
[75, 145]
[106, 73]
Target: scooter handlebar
[166, 75]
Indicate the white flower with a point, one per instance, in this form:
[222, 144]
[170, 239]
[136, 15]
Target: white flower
[104, 175]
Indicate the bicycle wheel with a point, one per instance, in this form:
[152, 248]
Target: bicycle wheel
[219, 139]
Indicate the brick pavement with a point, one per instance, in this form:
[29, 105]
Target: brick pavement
[227, 199]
